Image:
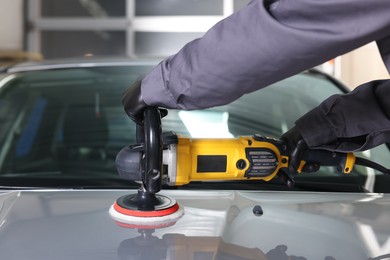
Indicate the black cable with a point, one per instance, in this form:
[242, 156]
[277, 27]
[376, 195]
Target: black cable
[368, 163]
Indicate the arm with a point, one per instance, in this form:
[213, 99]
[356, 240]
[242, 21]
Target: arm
[262, 43]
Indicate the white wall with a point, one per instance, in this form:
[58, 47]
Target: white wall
[11, 25]
[362, 65]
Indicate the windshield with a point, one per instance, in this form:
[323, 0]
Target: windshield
[64, 127]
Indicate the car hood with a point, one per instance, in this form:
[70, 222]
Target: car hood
[71, 224]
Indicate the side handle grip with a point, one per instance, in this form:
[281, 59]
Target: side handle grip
[343, 161]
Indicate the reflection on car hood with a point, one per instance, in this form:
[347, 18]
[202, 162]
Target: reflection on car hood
[216, 225]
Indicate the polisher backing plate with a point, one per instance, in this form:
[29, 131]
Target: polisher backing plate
[127, 213]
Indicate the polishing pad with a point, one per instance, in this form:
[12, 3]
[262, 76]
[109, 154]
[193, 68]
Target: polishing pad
[128, 212]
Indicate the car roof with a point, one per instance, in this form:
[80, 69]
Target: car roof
[78, 63]
[84, 62]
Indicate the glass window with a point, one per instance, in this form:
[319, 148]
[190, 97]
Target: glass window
[81, 108]
[161, 43]
[178, 7]
[60, 44]
[82, 8]
[65, 119]
[11, 109]
[68, 125]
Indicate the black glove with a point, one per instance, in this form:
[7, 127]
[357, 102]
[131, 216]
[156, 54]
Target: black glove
[134, 104]
[297, 147]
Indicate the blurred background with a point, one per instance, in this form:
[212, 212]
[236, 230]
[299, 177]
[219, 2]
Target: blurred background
[50, 29]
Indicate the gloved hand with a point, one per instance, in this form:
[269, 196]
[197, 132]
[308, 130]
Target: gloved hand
[134, 104]
[297, 146]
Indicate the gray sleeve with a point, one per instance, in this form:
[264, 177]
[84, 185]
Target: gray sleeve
[264, 42]
[349, 127]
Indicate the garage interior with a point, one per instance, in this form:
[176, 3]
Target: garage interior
[52, 29]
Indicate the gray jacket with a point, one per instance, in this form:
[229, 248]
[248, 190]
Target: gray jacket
[269, 40]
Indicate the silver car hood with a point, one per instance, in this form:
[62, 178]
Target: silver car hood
[71, 224]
